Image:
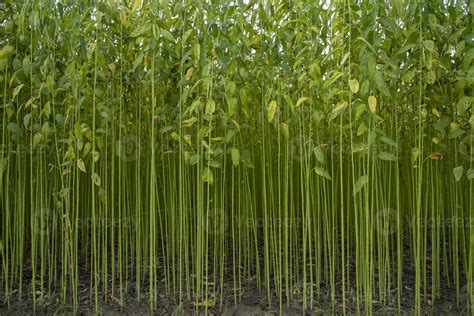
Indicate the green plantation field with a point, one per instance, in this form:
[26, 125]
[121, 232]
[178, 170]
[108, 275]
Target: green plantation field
[237, 157]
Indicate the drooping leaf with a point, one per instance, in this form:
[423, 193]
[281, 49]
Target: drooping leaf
[338, 109]
[387, 156]
[81, 165]
[301, 100]
[464, 104]
[208, 176]
[372, 103]
[210, 107]
[285, 130]
[37, 139]
[136, 4]
[14, 129]
[319, 154]
[354, 85]
[361, 182]
[322, 172]
[388, 141]
[470, 173]
[95, 179]
[458, 172]
[271, 110]
[235, 154]
[168, 35]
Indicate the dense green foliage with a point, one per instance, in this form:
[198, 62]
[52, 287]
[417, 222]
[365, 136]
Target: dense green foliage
[162, 142]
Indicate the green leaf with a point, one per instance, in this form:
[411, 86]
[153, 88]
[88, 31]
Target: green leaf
[458, 172]
[136, 3]
[362, 129]
[381, 84]
[322, 172]
[464, 104]
[387, 156]
[14, 129]
[361, 182]
[168, 35]
[246, 158]
[331, 80]
[457, 132]
[319, 154]
[389, 141]
[470, 173]
[207, 176]
[210, 107]
[37, 138]
[285, 130]
[235, 154]
[26, 120]
[429, 45]
[3, 164]
[405, 48]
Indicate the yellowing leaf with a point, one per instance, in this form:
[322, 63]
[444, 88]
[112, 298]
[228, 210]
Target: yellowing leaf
[95, 179]
[206, 303]
[189, 73]
[190, 121]
[81, 165]
[17, 90]
[95, 155]
[437, 156]
[301, 100]
[354, 85]
[340, 106]
[271, 110]
[435, 140]
[372, 103]
[112, 67]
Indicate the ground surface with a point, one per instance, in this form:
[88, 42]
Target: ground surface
[252, 303]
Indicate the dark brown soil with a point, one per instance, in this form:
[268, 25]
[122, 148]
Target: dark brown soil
[252, 301]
